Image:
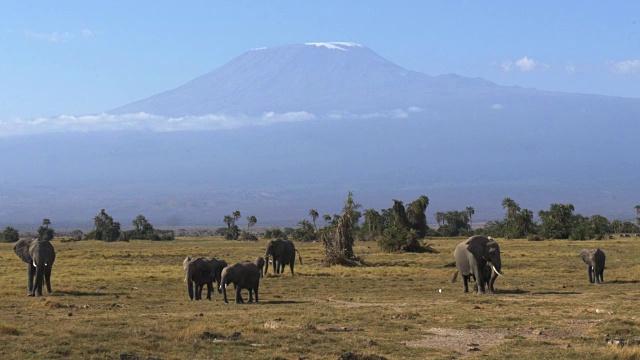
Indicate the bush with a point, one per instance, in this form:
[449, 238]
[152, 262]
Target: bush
[400, 239]
[247, 236]
[9, 235]
[274, 233]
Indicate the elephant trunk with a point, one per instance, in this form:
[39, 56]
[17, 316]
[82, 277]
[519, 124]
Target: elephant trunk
[223, 286]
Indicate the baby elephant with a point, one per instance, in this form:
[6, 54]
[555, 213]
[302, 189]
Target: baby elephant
[260, 263]
[595, 258]
[245, 275]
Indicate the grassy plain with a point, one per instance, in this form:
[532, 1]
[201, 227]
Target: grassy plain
[130, 298]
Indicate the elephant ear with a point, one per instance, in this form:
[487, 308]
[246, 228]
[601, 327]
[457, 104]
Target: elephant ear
[478, 247]
[21, 248]
[585, 255]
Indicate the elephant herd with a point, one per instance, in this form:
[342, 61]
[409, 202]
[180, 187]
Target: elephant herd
[243, 275]
[478, 257]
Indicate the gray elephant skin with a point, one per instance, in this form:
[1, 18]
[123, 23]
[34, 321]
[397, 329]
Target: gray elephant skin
[595, 259]
[474, 257]
[39, 256]
[201, 272]
[260, 263]
[283, 252]
[245, 275]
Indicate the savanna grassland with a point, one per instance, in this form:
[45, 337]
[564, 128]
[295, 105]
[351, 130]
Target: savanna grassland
[130, 298]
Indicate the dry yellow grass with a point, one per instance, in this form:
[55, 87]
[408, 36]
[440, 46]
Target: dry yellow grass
[130, 298]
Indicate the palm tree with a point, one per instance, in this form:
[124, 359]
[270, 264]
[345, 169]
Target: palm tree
[313, 213]
[637, 207]
[229, 221]
[251, 220]
[236, 215]
[470, 212]
[326, 218]
[46, 223]
[512, 208]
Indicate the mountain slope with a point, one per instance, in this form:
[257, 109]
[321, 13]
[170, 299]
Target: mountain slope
[315, 77]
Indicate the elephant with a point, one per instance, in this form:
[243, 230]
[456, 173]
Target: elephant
[39, 256]
[473, 256]
[595, 259]
[202, 272]
[283, 252]
[245, 275]
[260, 263]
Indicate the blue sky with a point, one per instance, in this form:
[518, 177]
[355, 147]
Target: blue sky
[83, 57]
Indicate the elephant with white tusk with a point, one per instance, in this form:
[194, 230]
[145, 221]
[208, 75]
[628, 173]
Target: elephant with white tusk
[39, 256]
[476, 257]
[595, 259]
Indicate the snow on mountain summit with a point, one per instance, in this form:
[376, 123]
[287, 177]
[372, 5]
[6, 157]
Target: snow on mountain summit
[336, 45]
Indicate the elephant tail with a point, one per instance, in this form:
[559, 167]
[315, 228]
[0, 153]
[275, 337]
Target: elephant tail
[299, 256]
[455, 276]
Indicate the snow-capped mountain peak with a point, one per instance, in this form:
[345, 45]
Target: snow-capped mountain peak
[336, 45]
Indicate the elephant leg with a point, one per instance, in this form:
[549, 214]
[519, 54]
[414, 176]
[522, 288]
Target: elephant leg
[255, 291]
[31, 273]
[209, 289]
[190, 288]
[479, 278]
[239, 296]
[250, 295]
[47, 278]
[39, 280]
[465, 281]
[291, 266]
[591, 274]
[275, 265]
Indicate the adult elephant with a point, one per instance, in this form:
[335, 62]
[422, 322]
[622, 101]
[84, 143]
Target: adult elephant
[201, 272]
[39, 256]
[473, 257]
[283, 253]
[595, 259]
[245, 275]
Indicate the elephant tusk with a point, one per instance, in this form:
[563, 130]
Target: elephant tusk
[497, 272]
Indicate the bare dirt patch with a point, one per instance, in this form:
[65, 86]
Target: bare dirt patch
[465, 341]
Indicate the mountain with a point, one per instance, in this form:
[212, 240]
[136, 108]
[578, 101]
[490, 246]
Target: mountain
[316, 77]
[369, 126]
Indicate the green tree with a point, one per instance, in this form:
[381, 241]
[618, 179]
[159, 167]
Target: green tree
[10, 235]
[416, 216]
[313, 213]
[327, 218]
[104, 228]
[236, 215]
[373, 223]
[557, 222]
[637, 208]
